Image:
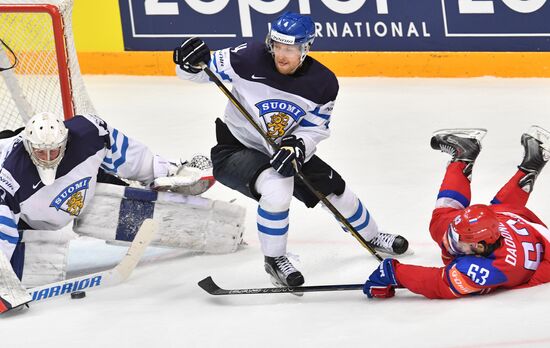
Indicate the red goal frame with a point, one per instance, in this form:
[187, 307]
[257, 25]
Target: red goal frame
[60, 48]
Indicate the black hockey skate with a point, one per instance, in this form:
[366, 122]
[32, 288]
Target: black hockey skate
[536, 146]
[282, 272]
[463, 144]
[388, 243]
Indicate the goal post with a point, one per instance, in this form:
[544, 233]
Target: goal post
[37, 37]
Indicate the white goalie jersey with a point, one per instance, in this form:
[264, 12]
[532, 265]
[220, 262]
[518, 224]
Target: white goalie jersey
[26, 203]
[34, 214]
[300, 104]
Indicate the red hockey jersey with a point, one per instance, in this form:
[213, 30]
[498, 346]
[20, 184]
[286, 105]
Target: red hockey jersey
[519, 261]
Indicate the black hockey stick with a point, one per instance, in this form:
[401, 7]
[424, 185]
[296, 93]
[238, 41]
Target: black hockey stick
[208, 285]
[299, 174]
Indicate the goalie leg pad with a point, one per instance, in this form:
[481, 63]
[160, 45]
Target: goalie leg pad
[12, 293]
[46, 254]
[190, 222]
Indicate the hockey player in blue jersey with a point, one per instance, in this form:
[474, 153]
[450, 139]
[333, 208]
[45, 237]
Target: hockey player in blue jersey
[292, 97]
[48, 175]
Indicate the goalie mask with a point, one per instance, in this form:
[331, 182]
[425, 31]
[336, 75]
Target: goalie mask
[292, 29]
[45, 139]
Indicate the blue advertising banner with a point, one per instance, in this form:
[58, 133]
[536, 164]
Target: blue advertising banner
[352, 25]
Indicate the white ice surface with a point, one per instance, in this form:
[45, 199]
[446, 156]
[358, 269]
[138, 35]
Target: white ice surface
[380, 144]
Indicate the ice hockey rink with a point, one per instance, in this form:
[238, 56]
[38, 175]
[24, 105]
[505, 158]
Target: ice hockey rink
[380, 144]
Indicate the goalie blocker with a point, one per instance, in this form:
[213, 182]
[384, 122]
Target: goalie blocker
[191, 222]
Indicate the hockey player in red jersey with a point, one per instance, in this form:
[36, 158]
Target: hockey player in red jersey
[483, 247]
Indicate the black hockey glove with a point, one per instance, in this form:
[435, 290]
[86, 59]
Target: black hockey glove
[290, 157]
[192, 52]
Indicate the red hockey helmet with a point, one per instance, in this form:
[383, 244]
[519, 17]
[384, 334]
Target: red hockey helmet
[475, 224]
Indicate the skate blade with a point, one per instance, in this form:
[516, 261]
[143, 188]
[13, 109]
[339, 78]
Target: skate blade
[543, 136]
[477, 133]
[276, 283]
[408, 252]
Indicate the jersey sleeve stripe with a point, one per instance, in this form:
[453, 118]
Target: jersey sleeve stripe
[4, 220]
[306, 123]
[313, 119]
[114, 136]
[318, 114]
[8, 238]
[118, 162]
[122, 159]
[223, 75]
[114, 148]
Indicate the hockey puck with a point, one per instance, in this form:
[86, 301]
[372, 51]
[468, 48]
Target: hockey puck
[78, 294]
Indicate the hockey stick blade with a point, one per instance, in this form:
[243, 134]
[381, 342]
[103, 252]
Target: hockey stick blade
[109, 277]
[208, 285]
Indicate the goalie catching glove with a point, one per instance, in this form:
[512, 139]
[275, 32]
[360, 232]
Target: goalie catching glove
[189, 178]
[290, 157]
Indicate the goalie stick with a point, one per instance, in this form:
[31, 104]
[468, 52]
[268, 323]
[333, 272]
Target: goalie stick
[299, 174]
[208, 285]
[112, 276]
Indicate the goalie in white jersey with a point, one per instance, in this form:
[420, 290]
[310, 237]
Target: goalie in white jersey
[49, 174]
[292, 96]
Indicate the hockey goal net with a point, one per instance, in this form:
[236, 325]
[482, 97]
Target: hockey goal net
[37, 40]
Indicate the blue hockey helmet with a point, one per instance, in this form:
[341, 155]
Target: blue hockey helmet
[292, 29]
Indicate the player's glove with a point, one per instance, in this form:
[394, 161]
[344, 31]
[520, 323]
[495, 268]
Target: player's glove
[382, 282]
[290, 157]
[190, 54]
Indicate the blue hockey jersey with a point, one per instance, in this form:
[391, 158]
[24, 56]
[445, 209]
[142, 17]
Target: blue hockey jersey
[299, 104]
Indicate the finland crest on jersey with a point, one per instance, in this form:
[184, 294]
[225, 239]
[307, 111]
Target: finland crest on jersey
[279, 115]
[71, 199]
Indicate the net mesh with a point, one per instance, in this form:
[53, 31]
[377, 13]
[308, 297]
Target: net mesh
[34, 84]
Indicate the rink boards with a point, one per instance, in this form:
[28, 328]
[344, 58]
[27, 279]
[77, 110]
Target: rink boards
[509, 38]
